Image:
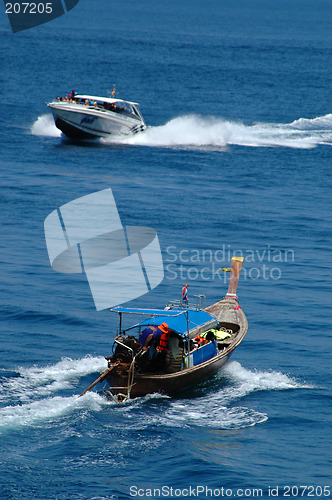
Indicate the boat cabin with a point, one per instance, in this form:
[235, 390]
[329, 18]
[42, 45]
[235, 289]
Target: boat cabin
[195, 337]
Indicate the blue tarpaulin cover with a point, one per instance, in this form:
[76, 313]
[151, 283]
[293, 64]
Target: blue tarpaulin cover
[175, 318]
[204, 353]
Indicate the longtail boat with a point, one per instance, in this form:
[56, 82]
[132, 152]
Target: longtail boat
[200, 342]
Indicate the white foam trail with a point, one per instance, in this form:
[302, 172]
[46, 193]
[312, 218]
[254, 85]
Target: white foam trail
[216, 405]
[44, 381]
[245, 381]
[199, 132]
[211, 413]
[29, 398]
[215, 410]
[321, 122]
[207, 411]
[37, 412]
[185, 131]
[218, 409]
[30, 395]
[215, 133]
[44, 126]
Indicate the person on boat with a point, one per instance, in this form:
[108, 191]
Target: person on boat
[205, 338]
[163, 342]
[200, 340]
[155, 340]
[145, 336]
[174, 355]
[152, 335]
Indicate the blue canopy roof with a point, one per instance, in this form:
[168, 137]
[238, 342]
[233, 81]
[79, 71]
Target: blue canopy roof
[175, 318]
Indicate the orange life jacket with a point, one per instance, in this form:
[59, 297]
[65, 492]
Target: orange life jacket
[163, 342]
[201, 340]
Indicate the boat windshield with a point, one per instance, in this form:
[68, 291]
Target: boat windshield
[120, 107]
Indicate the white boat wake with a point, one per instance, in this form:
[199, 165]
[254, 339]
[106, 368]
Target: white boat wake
[219, 409]
[197, 132]
[30, 383]
[32, 397]
[29, 397]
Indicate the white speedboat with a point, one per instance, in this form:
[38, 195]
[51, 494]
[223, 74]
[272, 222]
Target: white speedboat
[90, 117]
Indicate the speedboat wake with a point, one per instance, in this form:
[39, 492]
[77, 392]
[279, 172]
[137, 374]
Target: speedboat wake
[212, 133]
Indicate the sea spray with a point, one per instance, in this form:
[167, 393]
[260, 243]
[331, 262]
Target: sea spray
[196, 132]
[34, 382]
[44, 126]
[212, 133]
[35, 413]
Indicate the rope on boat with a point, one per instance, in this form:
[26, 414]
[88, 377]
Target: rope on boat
[131, 375]
[227, 330]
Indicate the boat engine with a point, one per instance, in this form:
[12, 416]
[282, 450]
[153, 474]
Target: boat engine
[126, 348]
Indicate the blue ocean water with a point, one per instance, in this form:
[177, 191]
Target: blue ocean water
[236, 159]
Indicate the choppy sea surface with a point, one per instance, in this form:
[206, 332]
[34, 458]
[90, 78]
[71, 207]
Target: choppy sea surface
[236, 159]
